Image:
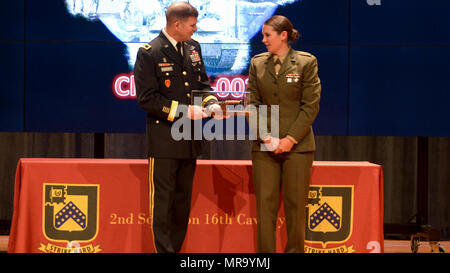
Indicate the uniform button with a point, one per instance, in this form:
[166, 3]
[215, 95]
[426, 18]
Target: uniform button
[167, 74]
[186, 84]
[188, 95]
[184, 73]
[157, 122]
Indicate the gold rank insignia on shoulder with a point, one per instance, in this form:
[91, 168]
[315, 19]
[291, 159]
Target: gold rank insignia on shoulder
[146, 46]
[166, 109]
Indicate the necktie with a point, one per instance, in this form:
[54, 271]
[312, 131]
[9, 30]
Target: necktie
[277, 66]
[179, 50]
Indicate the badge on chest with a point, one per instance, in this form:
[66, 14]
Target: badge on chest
[195, 57]
[167, 83]
[292, 78]
[166, 67]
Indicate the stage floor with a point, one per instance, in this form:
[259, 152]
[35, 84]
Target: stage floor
[390, 246]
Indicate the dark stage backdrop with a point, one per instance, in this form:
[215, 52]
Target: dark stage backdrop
[67, 64]
[67, 83]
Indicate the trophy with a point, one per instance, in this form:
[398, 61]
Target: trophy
[232, 103]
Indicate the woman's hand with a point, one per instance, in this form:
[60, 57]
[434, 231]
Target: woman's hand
[271, 143]
[285, 145]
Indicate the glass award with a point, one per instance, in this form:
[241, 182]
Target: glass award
[232, 103]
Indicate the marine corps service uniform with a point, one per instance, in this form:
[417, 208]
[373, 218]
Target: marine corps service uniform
[296, 89]
[164, 79]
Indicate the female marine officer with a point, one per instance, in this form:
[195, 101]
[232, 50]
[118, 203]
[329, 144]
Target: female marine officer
[282, 160]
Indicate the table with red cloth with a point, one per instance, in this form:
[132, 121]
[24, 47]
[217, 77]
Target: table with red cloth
[102, 205]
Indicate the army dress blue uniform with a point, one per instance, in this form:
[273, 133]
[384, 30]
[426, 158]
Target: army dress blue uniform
[164, 80]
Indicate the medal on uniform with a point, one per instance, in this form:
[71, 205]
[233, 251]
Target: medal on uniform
[194, 56]
[167, 83]
[292, 78]
[166, 67]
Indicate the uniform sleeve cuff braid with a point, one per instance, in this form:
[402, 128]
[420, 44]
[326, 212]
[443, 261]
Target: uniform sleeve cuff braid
[173, 110]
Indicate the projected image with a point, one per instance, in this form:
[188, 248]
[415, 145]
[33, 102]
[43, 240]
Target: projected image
[225, 27]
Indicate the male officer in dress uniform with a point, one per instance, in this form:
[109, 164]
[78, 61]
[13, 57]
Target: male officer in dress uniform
[166, 71]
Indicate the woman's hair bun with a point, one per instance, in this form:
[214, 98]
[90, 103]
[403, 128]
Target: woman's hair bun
[294, 35]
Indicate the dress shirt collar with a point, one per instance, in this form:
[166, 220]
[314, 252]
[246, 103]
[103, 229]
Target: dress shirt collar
[171, 40]
[275, 57]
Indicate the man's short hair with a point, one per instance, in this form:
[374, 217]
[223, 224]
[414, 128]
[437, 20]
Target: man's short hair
[180, 11]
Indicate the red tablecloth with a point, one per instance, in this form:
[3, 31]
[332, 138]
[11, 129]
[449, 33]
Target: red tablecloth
[102, 205]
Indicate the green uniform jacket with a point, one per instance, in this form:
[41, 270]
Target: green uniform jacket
[296, 89]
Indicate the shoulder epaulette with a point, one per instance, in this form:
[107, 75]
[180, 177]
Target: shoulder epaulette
[265, 54]
[146, 46]
[303, 53]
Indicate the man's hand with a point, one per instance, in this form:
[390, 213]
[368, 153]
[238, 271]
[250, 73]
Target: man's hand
[195, 112]
[216, 112]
